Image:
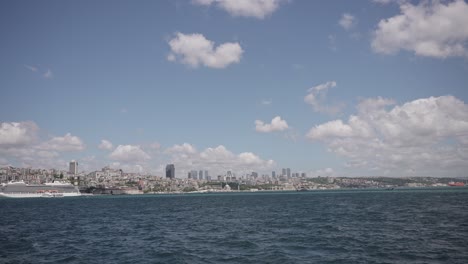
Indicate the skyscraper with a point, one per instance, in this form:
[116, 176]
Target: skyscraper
[73, 167]
[200, 175]
[194, 174]
[273, 174]
[170, 171]
[283, 172]
[288, 172]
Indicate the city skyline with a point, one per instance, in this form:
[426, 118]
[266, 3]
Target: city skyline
[350, 89]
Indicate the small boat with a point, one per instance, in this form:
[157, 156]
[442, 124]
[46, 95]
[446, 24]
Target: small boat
[456, 184]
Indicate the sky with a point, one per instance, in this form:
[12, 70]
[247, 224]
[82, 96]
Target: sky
[329, 88]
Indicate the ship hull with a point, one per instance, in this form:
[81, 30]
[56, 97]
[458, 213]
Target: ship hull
[37, 195]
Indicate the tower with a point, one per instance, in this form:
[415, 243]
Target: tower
[73, 167]
[170, 171]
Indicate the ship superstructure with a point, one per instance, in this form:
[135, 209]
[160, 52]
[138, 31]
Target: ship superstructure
[20, 189]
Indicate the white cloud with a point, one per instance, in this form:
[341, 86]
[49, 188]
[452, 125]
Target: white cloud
[20, 145]
[184, 148]
[383, 2]
[65, 143]
[326, 172]
[317, 95]
[105, 144]
[432, 28]
[216, 160]
[347, 21]
[155, 145]
[48, 74]
[332, 42]
[129, 153]
[246, 8]
[266, 102]
[31, 68]
[425, 136]
[277, 124]
[17, 133]
[195, 50]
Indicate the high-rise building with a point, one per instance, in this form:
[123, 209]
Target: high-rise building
[288, 172]
[73, 167]
[283, 172]
[273, 174]
[170, 171]
[194, 174]
[206, 174]
[200, 175]
[303, 175]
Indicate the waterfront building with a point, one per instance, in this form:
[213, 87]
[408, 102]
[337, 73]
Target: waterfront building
[170, 171]
[73, 167]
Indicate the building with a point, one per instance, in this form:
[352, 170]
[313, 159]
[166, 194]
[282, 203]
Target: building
[194, 174]
[73, 167]
[273, 174]
[170, 171]
[200, 175]
[303, 175]
[283, 172]
[288, 172]
[254, 175]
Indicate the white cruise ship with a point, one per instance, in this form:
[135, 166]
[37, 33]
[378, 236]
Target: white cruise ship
[20, 189]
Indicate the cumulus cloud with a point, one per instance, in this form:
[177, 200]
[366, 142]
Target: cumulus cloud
[184, 148]
[216, 160]
[195, 50]
[20, 144]
[326, 172]
[246, 8]
[277, 124]
[65, 143]
[129, 153]
[432, 28]
[17, 133]
[105, 144]
[347, 21]
[155, 145]
[316, 98]
[410, 138]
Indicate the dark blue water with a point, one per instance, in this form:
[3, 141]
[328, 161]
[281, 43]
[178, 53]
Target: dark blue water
[411, 226]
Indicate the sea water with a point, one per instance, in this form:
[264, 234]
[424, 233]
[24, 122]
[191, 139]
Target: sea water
[399, 226]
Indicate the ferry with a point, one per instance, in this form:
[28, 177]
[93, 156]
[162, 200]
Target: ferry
[19, 189]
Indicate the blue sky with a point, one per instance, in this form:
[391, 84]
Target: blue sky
[186, 81]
